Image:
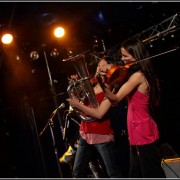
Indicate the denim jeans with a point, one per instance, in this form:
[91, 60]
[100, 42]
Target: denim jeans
[85, 153]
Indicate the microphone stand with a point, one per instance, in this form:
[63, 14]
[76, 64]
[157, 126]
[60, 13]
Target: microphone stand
[50, 122]
[51, 126]
[52, 88]
[50, 119]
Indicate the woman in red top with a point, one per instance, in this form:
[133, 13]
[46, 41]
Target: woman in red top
[142, 91]
[97, 134]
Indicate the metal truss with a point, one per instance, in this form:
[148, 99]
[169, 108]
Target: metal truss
[165, 27]
[153, 33]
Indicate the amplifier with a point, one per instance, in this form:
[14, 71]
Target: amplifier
[171, 167]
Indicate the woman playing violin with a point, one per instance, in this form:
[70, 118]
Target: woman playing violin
[142, 91]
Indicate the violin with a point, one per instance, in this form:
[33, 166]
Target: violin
[117, 74]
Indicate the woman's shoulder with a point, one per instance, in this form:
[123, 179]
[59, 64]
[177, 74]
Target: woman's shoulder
[138, 75]
[143, 85]
[137, 79]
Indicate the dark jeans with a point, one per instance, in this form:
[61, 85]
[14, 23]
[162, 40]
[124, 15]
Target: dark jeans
[85, 153]
[147, 164]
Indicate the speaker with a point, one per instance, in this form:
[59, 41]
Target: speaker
[171, 167]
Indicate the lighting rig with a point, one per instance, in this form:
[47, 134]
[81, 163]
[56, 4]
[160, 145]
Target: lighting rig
[159, 31]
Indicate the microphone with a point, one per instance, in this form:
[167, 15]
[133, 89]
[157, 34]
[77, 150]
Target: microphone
[51, 117]
[61, 106]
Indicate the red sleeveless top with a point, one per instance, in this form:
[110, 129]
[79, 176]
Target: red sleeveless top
[98, 126]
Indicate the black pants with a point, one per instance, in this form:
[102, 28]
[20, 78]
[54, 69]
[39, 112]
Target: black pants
[145, 162]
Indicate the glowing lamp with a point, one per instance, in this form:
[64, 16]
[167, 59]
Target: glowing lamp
[7, 39]
[59, 32]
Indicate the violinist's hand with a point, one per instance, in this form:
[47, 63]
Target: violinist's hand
[104, 69]
[74, 102]
[73, 77]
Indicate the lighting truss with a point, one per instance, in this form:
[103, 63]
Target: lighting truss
[165, 27]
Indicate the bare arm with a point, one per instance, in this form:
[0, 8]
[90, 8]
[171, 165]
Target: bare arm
[134, 81]
[97, 113]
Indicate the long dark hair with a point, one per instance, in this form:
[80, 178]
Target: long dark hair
[139, 51]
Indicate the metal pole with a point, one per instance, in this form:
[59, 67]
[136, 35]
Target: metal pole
[51, 125]
[56, 106]
[31, 116]
[53, 90]
[104, 47]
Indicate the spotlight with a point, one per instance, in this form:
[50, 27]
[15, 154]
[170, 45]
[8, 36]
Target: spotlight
[7, 39]
[70, 53]
[151, 46]
[59, 32]
[96, 39]
[33, 71]
[54, 53]
[34, 55]
[18, 58]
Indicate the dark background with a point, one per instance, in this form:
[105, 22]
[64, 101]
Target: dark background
[26, 97]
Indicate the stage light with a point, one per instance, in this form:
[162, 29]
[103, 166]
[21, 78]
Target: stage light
[34, 55]
[70, 52]
[59, 32]
[151, 46]
[54, 53]
[7, 39]
[18, 58]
